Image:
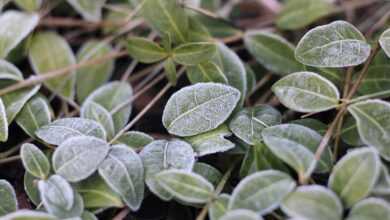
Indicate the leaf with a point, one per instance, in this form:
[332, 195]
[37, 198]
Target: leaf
[79, 157]
[261, 192]
[355, 175]
[314, 124]
[206, 72]
[384, 41]
[91, 11]
[272, 51]
[211, 142]
[370, 209]
[297, 14]
[8, 202]
[3, 123]
[9, 71]
[31, 188]
[199, 108]
[111, 96]
[194, 53]
[45, 58]
[207, 171]
[97, 194]
[306, 92]
[349, 132]
[377, 80]
[35, 114]
[219, 207]
[250, 79]
[163, 155]
[24, 214]
[338, 44]
[29, 5]
[88, 216]
[382, 186]
[372, 118]
[296, 146]
[123, 171]
[186, 186]
[134, 139]
[167, 17]
[170, 71]
[241, 214]
[98, 113]
[96, 75]
[14, 27]
[248, 123]
[145, 50]
[35, 161]
[313, 202]
[62, 129]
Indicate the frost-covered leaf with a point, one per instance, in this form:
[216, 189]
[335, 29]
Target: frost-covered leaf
[62, 129]
[25, 214]
[194, 53]
[250, 79]
[370, 209]
[90, 10]
[248, 123]
[35, 114]
[199, 108]
[355, 175]
[206, 72]
[124, 173]
[29, 5]
[209, 172]
[8, 202]
[186, 186]
[14, 27]
[9, 71]
[145, 51]
[296, 146]
[98, 113]
[219, 207]
[349, 132]
[306, 92]
[314, 124]
[163, 155]
[44, 57]
[377, 80]
[79, 157]
[373, 123]
[313, 202]
[272, 51]
[242, 214]
[135, 139]
[35, 161]
[31, 188]
[384, 41]
[111, 96]
[300, 13]
[261, 192]
[382, 186]
[211, 142]
[96, 75]
[3, 123]
[338, 44]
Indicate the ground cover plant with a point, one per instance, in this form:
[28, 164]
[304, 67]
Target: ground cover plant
[196, 109]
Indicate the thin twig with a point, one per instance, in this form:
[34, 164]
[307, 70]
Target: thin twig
[9, 159]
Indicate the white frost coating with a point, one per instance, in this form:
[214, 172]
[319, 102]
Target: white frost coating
[98, 113]
[261, 192]
[35, 161]
[338, 44]
[370, 209]
[3, 123]
[8, 200]
[9, 71]
[384, 41]
[90, 10]
[241, 214]
[306, 92]
[163, 155]
[28, 214]
[62, 129]
[199, 108]
[14, 27]
[79, 157]
[123, 171]
[56, 192]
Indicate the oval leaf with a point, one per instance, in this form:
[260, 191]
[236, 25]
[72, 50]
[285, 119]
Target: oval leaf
[56, 193]
[29, 215]
[35, 161]
[208, 172]
[98, 113]
[384, 41]
[91, 11]
[206, 72]
[241, 214]
[3, 123]
[219, 207]
[29, 5]
[145, 50]
[8, 202]
[135, 139]
[9, 71]
[370, 209]
[193, 53]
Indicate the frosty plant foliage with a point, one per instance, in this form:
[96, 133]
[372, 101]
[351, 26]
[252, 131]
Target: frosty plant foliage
[194, 109]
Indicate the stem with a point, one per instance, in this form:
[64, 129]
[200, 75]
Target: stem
[382, 94]
[9, 159]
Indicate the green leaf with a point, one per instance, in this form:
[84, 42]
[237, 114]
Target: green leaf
[370, 209]
[31, 188]
[97, 194]
[144, 50]
[170, 71]
[382, 186]
[111, 96]
[377, 80]
[349, 132]
[338, 44]
[35, 161]
[314, 124]
[3, 123]
[8, 202]
[88, 216]
[219, 207]
[98, 113]
[373, 123]
[9, 71]
[199, 108]
[206, 72]
[24, 214]
[296, 146]
[211, 142]
[163, 155]
[35, 114]
[384, 41]
[194, 53]
[123, 171]
[186, 186]
[96, 75]
[135, 139]
[45, 58]
[261, 192]
[91, 11]
[209, 172]
[62, 129]
[272, 51]
[297, 14]
[250, 79]
[29, 5]
[167, 17]
[248, 123]
[313, 202]
[15, 26]
[242, 214]
[306, 92]
[77, 158]
[355, 175]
